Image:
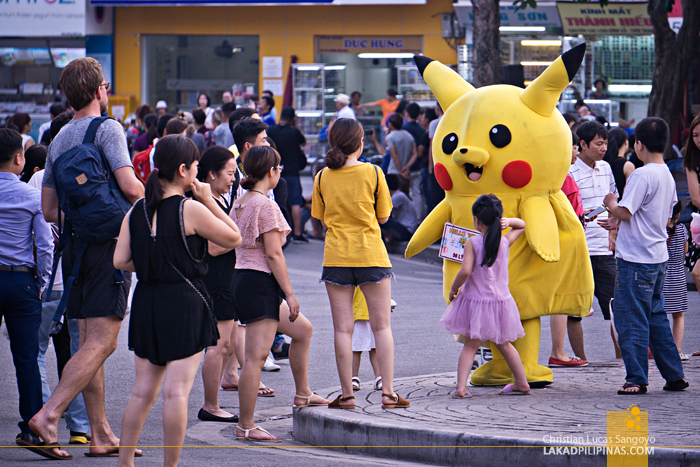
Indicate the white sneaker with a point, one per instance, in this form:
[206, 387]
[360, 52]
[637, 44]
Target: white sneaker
[270, 365]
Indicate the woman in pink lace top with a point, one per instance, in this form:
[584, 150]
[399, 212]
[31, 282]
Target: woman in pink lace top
[262, 293]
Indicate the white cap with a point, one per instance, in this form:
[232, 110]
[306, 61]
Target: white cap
[343, 99]
[162, 105]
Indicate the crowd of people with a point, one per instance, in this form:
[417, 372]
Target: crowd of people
[187, 231]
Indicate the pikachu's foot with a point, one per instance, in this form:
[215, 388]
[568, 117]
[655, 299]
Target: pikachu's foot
[497, 373]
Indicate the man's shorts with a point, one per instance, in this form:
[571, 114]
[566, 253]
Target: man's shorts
[604, 268]
[294, 194]
[96, 292]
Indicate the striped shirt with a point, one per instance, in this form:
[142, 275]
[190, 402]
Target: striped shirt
[594, 183]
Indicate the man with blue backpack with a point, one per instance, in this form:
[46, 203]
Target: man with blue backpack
[88, 187]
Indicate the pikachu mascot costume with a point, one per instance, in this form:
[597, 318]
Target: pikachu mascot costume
[514, 143]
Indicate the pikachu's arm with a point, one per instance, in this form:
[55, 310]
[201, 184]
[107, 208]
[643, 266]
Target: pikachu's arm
[541, 228]
[429, 231]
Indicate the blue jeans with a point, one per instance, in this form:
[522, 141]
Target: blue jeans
[641, 322]
[21, 307]
[76, 417]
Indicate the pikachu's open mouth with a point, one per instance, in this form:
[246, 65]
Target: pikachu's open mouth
[473, 172]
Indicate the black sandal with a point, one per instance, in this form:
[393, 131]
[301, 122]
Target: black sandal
[677, 385]
[641, 389]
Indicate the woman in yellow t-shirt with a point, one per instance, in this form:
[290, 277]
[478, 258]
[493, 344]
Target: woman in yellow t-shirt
[351, 199]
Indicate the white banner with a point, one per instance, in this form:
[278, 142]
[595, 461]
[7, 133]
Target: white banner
[28, 18]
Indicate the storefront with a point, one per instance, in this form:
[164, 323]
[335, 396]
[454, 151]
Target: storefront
[37, 41]
[173, 52]
[621, 50]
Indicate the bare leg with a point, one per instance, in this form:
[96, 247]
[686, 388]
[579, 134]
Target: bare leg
[557, 323]
[296, 220]
[260, 336]
[356, 361]
[212, 367]
[618, 352]
[83, 372]
[378, 298]
[695, 273]
[179, 377]
[575, 330]
[343, 326]
[300, 331]
[512, 358]
[678, 329]
[464, 367]
[374, 360]
[147, 384]
[230, 378]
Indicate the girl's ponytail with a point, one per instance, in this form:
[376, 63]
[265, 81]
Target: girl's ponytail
[154, 190]
[335, 158]
[345, 137]
[489, 210]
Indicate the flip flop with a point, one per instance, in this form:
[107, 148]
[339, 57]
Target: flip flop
[509, 391]
[466, 396]
[308, 401]
[678, 385]
[696, 353]
[260, 394]
[44, 450]
[246, 435]
[641, 389]
[112, 453]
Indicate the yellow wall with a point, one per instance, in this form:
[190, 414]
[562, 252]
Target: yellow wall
[283, 30]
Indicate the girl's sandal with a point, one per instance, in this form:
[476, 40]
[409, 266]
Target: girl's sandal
[378, 384]
[356, 383]
[336, 403]
[308, 401]
[399, 402]
[246, 435]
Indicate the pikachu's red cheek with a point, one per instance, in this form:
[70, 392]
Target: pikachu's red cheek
[516, 174]
[443, 177]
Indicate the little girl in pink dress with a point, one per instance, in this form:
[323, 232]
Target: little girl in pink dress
[484, 309]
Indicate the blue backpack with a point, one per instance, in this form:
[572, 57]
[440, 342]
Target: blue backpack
[94, 206]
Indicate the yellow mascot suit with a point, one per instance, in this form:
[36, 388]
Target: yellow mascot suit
[515, 144]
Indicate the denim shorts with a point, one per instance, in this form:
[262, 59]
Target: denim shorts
[294, 194]
[354, 277]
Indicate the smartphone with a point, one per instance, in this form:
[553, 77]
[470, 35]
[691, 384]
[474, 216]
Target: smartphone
[595, 212]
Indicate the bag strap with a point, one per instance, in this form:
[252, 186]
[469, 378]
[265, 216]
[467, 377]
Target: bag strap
[91, 132]
[67, 286]
[165, 256]
[320, 194]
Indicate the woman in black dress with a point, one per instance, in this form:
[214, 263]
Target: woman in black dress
[618, 145]
[164, 240]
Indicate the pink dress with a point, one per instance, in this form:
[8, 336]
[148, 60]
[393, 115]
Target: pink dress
[484, 309]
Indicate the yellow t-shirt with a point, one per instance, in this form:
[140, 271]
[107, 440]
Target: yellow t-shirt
[359, 306]
[345, 202]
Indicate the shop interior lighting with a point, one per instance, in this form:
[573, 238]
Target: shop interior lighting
[301, 113]
[386, 55]
[641, 88]
[335, 67]
[308, 68]
[522, 29]
[536, 63]
[542, 43]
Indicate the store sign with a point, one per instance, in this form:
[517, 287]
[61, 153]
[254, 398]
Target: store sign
[615, 19]
[28, 18]
[545, 14]
[364, 44]
[251, 2]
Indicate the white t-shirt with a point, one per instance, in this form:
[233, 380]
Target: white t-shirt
[346, 112]
[35, 181]
[46, 126]
[650, 195]
[433, 127]
[594, 184]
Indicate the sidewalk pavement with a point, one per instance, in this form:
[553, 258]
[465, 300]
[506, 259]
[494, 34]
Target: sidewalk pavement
[488, 429]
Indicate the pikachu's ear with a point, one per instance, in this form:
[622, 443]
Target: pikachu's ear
[543, 93]
[447, 85]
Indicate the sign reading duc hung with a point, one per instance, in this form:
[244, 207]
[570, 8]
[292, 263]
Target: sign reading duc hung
[629, 19]
[363, 44]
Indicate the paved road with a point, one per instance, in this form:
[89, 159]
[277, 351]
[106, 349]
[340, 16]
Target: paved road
[422, 348]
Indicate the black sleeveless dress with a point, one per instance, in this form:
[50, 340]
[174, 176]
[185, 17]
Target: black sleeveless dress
[171, 315]
[220, 276]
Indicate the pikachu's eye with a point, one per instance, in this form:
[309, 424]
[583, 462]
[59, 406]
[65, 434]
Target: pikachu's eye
[449, 143]
[499, 135]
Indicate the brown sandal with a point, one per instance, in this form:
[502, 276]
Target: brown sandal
[336, 403]
[399, 402]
